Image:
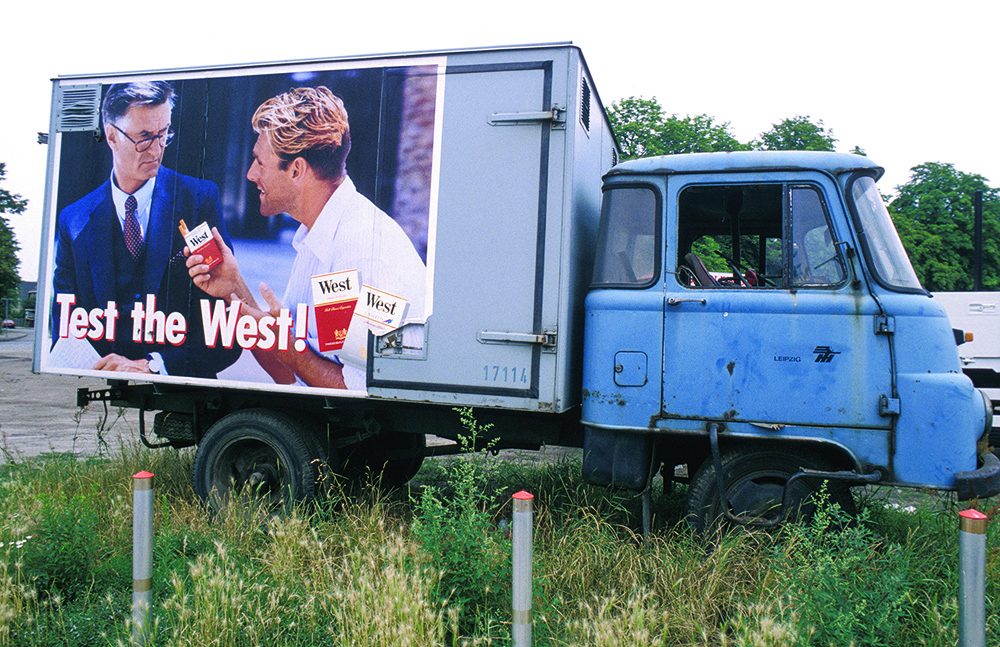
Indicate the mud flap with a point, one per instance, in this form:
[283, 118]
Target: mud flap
[616, 458]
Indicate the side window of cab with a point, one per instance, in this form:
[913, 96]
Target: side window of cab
[815, 259]
[628, 241]
[756, 236]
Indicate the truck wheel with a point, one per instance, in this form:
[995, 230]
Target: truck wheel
[755, 480]
[258, 453]
[391, 459]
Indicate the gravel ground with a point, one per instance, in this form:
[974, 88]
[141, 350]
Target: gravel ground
[38, 413]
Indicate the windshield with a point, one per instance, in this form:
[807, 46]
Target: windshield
[881, 243]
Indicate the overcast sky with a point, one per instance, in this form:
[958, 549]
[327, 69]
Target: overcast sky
[909, 82]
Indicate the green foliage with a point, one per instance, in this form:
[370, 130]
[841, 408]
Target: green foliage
[472, 555]
[845, 585]
[62, 553]
[643, 130]
[797, 133]
[10, 203]
[635, 121]
[696, 134]
[355, 571]
[933, 213]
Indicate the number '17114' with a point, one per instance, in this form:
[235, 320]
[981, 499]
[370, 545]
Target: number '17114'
[505, 374]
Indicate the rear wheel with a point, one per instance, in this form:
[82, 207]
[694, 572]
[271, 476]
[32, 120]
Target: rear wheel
[755, 486]
[257, 453]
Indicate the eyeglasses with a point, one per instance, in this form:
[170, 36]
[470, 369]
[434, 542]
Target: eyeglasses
[143, 145]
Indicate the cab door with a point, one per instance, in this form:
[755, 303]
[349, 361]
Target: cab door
[623, 332]
[780, 334]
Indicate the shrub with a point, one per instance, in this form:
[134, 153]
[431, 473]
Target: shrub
[846, 585]
[472, 555]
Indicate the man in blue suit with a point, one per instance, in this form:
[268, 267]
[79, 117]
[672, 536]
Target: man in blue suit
[121, 243]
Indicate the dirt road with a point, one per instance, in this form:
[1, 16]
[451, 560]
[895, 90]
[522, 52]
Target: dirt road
[38, 413]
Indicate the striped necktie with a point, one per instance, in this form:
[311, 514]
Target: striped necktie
[133, 235]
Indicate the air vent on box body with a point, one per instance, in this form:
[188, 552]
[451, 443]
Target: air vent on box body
[78, 108]
[585, 105]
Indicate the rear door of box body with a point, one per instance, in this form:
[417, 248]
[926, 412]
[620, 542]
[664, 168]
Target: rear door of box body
[481, 338]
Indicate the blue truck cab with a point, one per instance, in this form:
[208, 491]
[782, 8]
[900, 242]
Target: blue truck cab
[754, 317]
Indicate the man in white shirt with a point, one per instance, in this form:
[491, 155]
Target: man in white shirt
[299, 167]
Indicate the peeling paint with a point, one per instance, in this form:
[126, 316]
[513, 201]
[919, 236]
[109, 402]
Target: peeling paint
[604, 398]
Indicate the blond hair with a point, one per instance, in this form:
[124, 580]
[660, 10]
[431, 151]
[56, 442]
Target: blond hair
[310, 123]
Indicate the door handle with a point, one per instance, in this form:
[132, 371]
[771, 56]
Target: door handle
[673, 301]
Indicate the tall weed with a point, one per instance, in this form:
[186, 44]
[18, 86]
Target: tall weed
[846, 584]
[367, 569]
[465, 546]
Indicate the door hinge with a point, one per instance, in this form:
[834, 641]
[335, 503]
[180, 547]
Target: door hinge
[888, 406]
[885, 325]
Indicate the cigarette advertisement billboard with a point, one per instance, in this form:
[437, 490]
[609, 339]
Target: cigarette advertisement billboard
[248, 228]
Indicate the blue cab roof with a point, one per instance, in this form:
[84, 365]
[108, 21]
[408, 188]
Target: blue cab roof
[748, 161]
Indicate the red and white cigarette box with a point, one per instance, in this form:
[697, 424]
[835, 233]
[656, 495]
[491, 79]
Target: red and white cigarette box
[334, 297]
[200, 241]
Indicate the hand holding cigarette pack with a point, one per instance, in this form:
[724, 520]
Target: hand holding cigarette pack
[200, 241]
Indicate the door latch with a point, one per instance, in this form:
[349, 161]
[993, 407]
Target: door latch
[557, 115]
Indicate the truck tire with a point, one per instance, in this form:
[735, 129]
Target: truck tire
[390, 459]
[258, 453]
[755, 480]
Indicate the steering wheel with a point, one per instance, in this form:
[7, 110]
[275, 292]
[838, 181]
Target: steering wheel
[737, 269]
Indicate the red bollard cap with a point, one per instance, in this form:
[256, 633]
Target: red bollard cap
[524, 496]
[142, 482]
[972, 521]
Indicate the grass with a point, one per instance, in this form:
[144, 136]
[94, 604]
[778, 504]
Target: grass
[430, 566]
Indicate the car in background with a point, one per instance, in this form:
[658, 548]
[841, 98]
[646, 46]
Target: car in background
[7, 323]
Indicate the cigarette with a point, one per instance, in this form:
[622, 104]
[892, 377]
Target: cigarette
[184, 228]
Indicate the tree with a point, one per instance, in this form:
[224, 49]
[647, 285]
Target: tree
[10, 280]
[796, 134]
[933, 213]
[697, 134]
[644, 130]
[636, 123]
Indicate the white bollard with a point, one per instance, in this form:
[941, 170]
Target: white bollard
[972, 579]
[522, 569]
[142, 555]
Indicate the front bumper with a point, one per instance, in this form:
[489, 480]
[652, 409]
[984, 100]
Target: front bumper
[981, 483]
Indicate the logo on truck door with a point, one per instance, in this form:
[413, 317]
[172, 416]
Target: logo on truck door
[824, 354]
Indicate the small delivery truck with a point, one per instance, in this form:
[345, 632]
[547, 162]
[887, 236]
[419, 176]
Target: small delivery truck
[978, 315]
[752, 316]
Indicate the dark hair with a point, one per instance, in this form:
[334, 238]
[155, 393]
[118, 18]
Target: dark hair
[122, 96]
